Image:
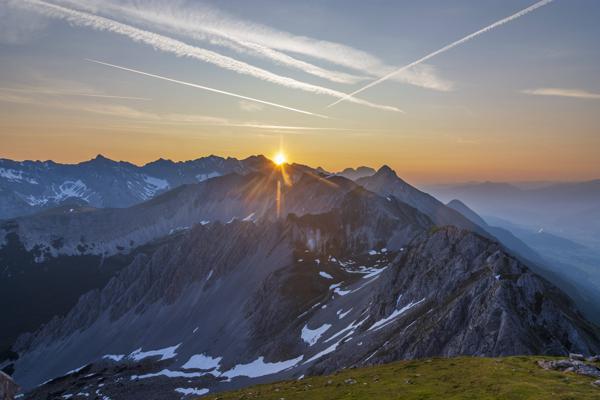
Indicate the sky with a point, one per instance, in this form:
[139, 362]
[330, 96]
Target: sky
[139, 80]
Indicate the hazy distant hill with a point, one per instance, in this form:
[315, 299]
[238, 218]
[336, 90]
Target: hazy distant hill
[567, 209]
[357, 173]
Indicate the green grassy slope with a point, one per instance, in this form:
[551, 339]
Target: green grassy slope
[449, 378]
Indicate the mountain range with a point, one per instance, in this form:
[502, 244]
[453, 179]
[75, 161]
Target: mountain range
[259, 273]
[30, 186]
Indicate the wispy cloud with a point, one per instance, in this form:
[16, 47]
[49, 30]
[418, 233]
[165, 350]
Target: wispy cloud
[250, 106]
[561, 92]
[179, 48]
[8, 96]
[143, 117]
[446, 48]
[19, 26]
[204, 23]
[58, 92]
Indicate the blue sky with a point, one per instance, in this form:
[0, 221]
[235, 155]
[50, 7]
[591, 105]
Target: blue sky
[519, 102]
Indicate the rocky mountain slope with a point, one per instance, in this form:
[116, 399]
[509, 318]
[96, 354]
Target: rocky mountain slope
[30, 186]
[547, 259]
[386, 183]
[370, 280]
[57, 255]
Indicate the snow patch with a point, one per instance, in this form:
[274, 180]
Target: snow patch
[69, 189]
[203, 177]
[65, 190]
[337, 290]
[179, 229]
[259, 367]
[249, 218]
[311, 336]
[350, 328]
[194, 391]
[169, 374]
[165, 354]
[76, 370]
[14, 175]
[153, 186]
[320, 354]
[114, 357]
[385, 321]
[325, 275]
[202, 361]
[374, 272]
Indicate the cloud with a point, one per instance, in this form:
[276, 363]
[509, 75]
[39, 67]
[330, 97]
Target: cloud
[19, 26]
[446, 48]
[250, 106]
[201, 22]
[58, 92]
[574, 93]
[181, 49]
[132, 113]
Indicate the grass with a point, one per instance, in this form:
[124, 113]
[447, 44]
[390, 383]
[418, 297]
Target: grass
[436, 378]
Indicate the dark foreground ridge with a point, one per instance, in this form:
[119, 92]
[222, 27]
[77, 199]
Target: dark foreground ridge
[437, 378]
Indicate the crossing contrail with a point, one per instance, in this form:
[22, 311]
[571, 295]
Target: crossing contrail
[445, 48]
[239, 96]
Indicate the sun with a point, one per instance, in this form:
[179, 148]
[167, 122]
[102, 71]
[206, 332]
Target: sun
[279, 158]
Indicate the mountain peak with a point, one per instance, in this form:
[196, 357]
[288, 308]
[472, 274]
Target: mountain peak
[99, 159]
[386, 171]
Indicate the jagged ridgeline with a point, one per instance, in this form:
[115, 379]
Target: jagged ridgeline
[207, 290]
[30, 186]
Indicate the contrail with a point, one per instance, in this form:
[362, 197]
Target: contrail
[239, 96]
[181, 49]
[445, 48]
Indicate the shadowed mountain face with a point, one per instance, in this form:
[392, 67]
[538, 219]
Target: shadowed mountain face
[30, 186]
[386, 183]
[221, 293]
[53, 257]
